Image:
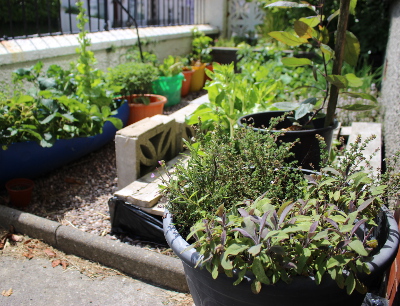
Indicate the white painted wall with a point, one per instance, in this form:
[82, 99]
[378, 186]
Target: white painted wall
[108, 47]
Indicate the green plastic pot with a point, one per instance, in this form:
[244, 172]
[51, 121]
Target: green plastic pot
[169, 87]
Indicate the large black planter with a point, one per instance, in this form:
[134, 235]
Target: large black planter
[307, 151]
[301, 291]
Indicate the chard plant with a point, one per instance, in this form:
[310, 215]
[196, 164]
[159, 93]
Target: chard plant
[58, 104]
[231, 96]
[171, 66]
[312, 32]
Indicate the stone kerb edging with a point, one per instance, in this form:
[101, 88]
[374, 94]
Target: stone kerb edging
[147, 265]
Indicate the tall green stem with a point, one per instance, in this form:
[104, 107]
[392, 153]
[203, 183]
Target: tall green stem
[338, 61]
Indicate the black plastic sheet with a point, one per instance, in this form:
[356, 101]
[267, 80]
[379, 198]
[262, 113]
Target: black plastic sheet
[131, 220]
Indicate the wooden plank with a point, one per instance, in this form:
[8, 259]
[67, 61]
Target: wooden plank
[145, 192]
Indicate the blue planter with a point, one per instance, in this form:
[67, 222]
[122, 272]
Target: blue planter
[30, 160]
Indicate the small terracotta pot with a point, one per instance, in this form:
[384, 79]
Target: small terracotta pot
[20, 191]
[186, 82]
[139, 111]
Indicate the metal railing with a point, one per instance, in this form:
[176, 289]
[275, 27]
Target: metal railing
[30, 18]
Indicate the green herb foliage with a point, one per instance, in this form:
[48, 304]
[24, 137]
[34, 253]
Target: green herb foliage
[133, 78]
[225, 170]
[201, 47]
[250, 212]
[171, 66]
[231, 96]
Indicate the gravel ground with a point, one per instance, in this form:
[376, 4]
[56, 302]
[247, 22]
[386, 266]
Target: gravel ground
[77, 194]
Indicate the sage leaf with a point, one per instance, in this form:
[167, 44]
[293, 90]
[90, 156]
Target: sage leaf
[258, 270]
[358, 247]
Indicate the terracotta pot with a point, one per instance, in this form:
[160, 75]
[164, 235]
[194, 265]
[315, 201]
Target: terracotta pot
[139, 111]
[186, 82]
[20, 191]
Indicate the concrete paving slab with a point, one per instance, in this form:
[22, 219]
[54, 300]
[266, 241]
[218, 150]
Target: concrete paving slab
[147, 265]
[36, 282]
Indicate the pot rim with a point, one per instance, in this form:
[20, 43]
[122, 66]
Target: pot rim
[18, 181]
[280, 113]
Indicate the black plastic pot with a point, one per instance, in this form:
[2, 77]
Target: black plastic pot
[307, 151]
[301, 291]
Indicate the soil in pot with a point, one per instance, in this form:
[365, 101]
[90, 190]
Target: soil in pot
[307, 151]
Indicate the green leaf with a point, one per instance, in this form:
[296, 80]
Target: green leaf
[357, 246]
[338, 80]
[48, 118]
[24, 99]
[256, 286]
[327, 51]
[311, 21]
[258, 269]
[303, 110]
[116, 122]
[255, 249]
[350, 283]
[352, 9]
[286, 106]
[353, 80]
[351, 49]
[302, 29]
[214, 271]
[235, 249]
[288, 38]
[358, 107]
[335, 14]
[361, 95]
[241, 275]
[296, 62]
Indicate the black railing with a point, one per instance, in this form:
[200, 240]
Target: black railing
[30, 18]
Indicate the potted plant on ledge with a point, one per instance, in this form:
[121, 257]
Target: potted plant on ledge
[308, 118]
[169, 83]
[262, 232]
[136, 81]
[200, 59]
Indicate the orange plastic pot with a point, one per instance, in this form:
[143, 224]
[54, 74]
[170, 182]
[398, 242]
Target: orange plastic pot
[139, 111]
[186, 82]
[20, 191]
[197, 82]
